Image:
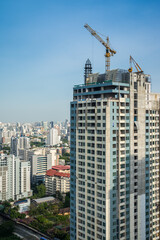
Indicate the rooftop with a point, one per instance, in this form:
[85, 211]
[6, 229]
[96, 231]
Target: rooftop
[45, 199]
[52, 172]
[22, 201]
[61, 167]
[119, 76]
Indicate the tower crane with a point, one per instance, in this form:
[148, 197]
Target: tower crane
[109, 51]
[139, 69]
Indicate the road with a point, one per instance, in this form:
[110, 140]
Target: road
[22, 232]
[26, 234]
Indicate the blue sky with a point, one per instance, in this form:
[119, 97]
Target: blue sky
[44, 46]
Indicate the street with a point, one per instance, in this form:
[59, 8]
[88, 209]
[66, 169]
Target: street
[22, 232]
[26, 233]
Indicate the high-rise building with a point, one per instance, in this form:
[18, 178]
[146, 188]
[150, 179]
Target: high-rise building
[25, 154]
[14, 178]
[19, 143]
[115, 158]
[39, 165]
[24, 143]
[14, 146]
[1, 135]
[45, 126]
[54, 155]
[53, 138]
[51, 124]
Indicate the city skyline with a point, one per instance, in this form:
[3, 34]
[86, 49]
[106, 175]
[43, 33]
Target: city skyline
[44, 47]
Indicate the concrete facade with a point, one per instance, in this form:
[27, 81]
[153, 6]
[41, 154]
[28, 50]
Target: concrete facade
[115, 158]
[57, 179]
[39, 165]
[14, 178]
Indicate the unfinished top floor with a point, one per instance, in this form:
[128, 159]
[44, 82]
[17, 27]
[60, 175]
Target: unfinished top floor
[115, 84]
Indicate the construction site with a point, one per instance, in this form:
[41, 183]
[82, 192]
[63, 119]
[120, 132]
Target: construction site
[115, 154]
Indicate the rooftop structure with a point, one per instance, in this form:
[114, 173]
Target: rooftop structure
[24, 205]
[43, 200]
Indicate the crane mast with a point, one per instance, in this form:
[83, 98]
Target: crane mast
[109, 52]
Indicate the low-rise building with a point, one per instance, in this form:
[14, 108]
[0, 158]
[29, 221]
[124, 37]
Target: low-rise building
[24, 205]
[43, 200]
[57, 179]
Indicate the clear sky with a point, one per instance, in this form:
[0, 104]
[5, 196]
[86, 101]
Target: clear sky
[44, 46]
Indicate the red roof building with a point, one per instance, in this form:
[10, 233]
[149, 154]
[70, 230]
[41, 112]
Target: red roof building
[61, 167]
[57, 179]
[52, 173]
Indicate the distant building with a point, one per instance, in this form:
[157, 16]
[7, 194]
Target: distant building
[25, 154]
[45, 126]
[24, 143]
[39, 165]
[54, 155]
[57, 179]
[53, 138]
[14, 146]
[19, 143]
[14, 178]
[51, 124]
[1, 135]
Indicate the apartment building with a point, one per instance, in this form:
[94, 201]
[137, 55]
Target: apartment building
[39, 165]
[57, 179]
[115, 158]
[14, 178]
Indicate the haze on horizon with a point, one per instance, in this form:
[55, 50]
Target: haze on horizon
[44, 46]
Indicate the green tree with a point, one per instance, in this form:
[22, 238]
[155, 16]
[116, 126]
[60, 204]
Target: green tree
[41, 190]
[6, 228]
[22, 216]
[6, 204]
[66, 154]
[59, 196]
[14, 214]
[67, 202]
[61, 234]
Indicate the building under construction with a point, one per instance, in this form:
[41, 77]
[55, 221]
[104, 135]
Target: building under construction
[115, 157]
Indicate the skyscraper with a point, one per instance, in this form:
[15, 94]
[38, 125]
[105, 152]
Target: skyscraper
[24, 143]
[53, 138]
[115, 158]
[45, 125]
[14, 178]
[19, 143]
[14, 146]
[39, 165]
